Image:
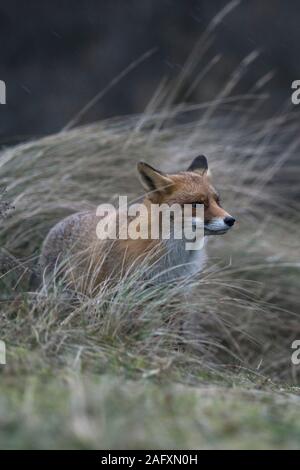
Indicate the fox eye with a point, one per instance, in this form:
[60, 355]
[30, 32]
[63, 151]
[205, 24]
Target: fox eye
[218, 198]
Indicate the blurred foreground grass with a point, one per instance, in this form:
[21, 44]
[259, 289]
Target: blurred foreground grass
[103, 412]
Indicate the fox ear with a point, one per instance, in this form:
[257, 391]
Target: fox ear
[199, 165]
[153, 180]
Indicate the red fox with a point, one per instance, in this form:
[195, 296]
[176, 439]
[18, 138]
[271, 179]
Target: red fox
[92, 260]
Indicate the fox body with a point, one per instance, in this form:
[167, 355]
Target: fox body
[92, 260]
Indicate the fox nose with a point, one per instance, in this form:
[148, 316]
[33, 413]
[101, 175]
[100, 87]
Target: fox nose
[229, 221]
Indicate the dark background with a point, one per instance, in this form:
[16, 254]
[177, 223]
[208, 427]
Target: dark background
[56, 55]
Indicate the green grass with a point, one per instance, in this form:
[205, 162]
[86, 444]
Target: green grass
[100, 412]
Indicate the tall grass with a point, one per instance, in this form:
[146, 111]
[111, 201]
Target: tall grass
[242, 314]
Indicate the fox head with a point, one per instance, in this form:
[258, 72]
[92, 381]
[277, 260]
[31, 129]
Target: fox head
[192, 186]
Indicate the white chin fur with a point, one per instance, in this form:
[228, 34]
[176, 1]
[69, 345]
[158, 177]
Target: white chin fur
[216, 226]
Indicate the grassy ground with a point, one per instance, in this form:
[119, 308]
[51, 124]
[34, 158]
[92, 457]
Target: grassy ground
[80, 412]
[114, 371]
